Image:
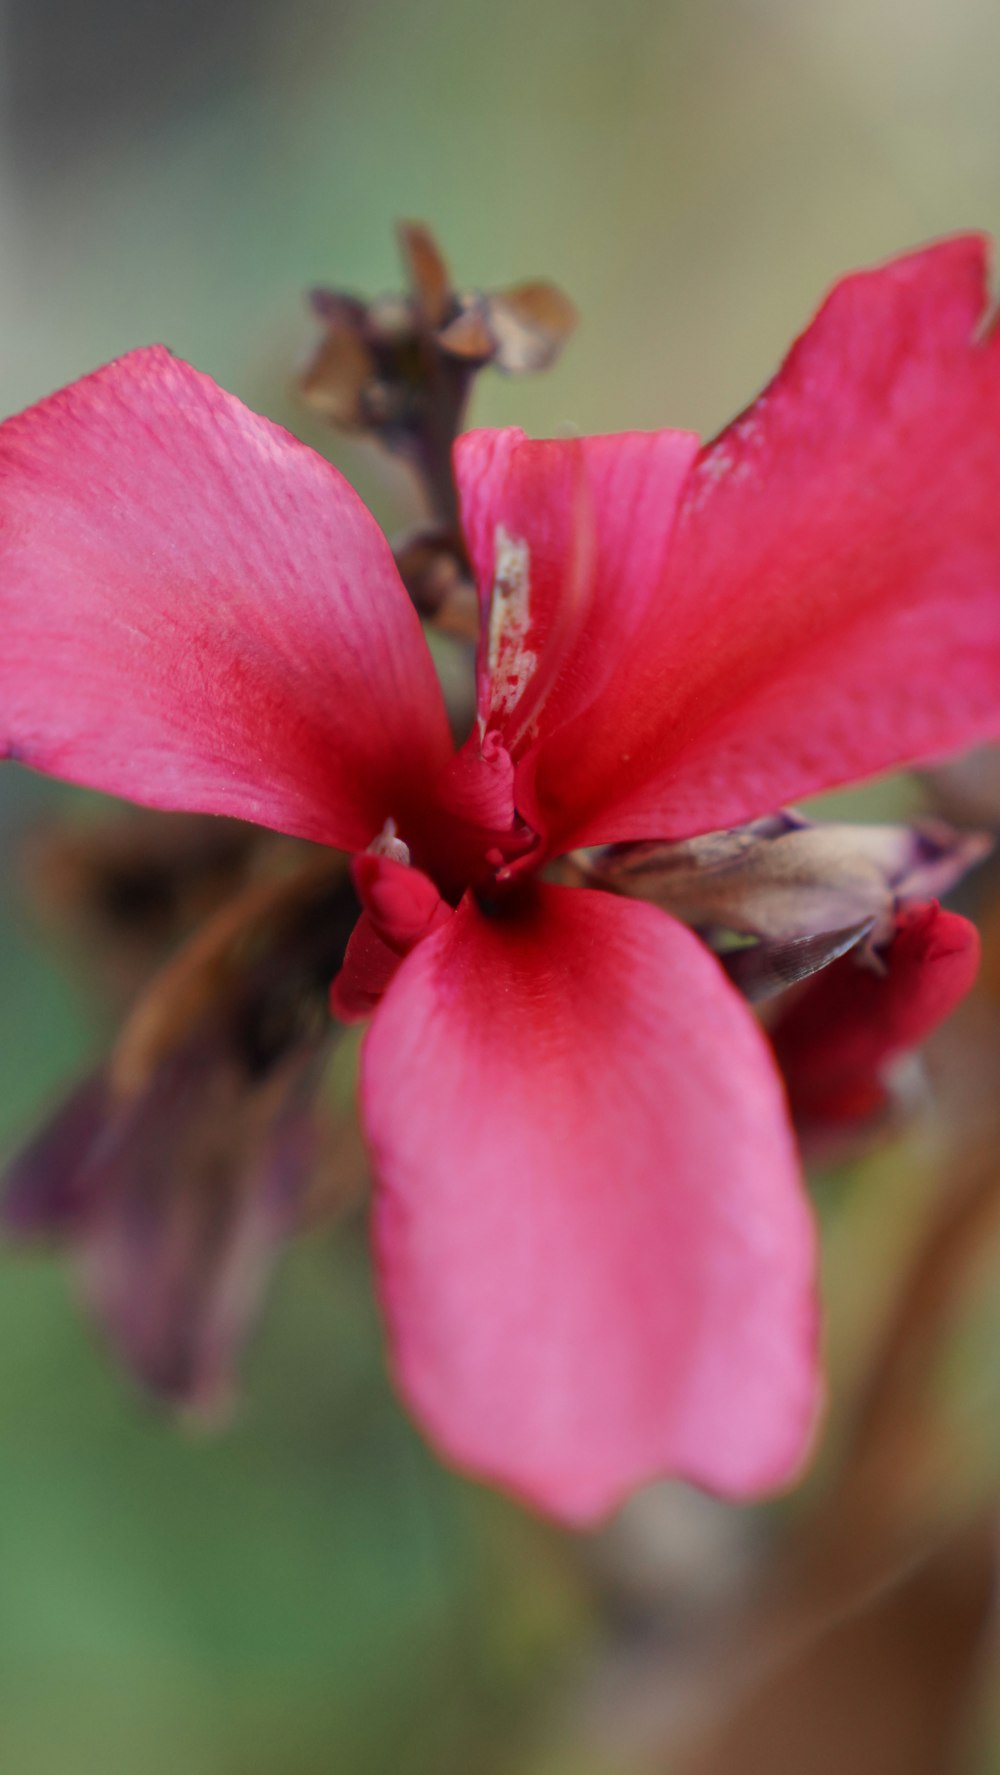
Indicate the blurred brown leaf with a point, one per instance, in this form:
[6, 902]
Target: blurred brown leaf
[123, 890]
[885, 1689]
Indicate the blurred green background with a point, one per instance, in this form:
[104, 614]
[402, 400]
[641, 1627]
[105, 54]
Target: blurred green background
[311, 1592]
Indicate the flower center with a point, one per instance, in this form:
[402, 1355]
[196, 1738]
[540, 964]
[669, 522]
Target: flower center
[469, 833]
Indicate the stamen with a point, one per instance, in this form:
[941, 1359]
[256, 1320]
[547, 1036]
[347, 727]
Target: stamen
[389, 844]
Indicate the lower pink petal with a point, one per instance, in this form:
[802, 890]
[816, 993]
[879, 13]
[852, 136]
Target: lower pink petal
[595, 1257]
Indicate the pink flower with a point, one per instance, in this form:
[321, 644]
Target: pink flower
[595, 1256]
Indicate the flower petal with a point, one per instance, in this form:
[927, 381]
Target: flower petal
[836, 1042]
[832, 603]
[595, 1257]
[401, 906]
[199, 613]
[568, 538]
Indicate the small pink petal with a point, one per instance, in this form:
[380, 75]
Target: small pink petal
[595, 1256]
[199, 613]
[836, 1042]
[403, 903]
[401, 906]
[369, 965]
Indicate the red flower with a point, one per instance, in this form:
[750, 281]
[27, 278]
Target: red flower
[595, 1256]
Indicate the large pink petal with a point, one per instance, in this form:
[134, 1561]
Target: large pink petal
[595, 1257]
[569, 540]
[198, 612]
[832, 603]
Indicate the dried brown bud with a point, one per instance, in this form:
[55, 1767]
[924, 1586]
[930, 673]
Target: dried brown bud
[402, 368]
[435, 571]
[336, 382]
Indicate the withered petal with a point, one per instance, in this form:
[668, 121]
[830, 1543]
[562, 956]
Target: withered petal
[434, 568]
[469, 335]
[426, 272]
[258, 974]
[336, 377]
[202, 1185]
[339, 309]
[519, 331]
[180, 1170]
[784, 878]
[124, 890]
[763, 969]
[47, 1190]
[531, 324]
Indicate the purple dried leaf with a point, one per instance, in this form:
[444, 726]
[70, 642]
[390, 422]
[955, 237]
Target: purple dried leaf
[202, 1185]
[178, 1172]
[48, 1190]
[782, 878]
